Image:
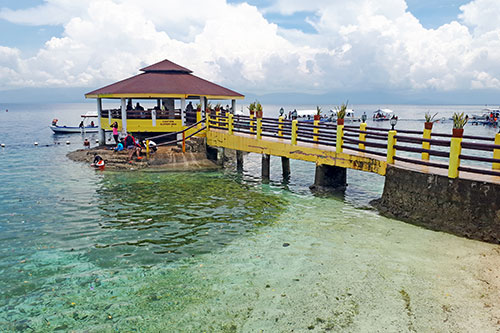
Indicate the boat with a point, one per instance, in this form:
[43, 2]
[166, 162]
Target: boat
[489, 117]
[308, 116]
[383, 114]
[83, 128]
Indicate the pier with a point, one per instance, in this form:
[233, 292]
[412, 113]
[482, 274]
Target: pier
[443, 181]
[437, 180]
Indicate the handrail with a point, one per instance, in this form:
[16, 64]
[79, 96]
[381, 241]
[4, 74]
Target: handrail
[183, 139]
[376, 141]
[175, 133]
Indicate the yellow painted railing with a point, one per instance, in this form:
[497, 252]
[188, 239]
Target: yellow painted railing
[356, 145]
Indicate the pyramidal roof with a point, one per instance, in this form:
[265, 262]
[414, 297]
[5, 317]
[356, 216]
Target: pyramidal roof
[166, 66]
[164, 79]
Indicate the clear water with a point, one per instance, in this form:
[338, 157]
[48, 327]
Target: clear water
[219, 251]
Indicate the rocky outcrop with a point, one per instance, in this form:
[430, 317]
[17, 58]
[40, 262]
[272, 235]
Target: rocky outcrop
[458, 206]
[168, 158]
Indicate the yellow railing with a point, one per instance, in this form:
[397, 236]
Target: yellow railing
[363, 141]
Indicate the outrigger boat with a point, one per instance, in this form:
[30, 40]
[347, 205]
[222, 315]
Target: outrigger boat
[383, 114]
[490, 117]
[349, 116]
[83, 128]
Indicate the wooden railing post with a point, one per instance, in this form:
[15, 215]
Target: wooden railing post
[295, 125]
[362, 136]
[340, 138]
[455, 151]
[147, 149]
[207, 120]
[259, 128]
[496, 152]
[230, 124]
[426, 145]
[391, 142]
[183, 141]
[280, 127]
[315, 130]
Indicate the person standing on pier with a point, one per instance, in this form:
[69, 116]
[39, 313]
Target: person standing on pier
[115, 132]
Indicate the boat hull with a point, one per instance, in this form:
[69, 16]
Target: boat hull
[73, 129]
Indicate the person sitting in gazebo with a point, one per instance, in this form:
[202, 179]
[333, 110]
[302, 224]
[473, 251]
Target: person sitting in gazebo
[189, 107]
[139, 107]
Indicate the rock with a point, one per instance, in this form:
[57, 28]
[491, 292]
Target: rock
[166, 158]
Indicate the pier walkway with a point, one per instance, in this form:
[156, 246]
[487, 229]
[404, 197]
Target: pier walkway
[360, 147]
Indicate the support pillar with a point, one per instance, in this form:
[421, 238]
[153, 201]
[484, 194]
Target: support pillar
[239, 160]
[233, 106]
[329, 178]
[124, 116]
[266, 166]
[183, 111]
[102, 136]
[285, 166]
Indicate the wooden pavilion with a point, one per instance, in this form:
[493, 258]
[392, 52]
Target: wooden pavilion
[164, 82]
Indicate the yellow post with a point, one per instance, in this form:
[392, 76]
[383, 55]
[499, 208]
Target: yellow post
[426, 145]
[362, 136]
[455, 150]
[295, 125]
[391, 142]
[147, 149]
[217, 119]
[251, 122]
[230, 123]
[198, 118]
[496, 152]
[259, 128]
[207, 120]
[315, 130]
[340, 138]
[280, 126]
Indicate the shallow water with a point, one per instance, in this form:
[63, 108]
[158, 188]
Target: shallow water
[217, 251]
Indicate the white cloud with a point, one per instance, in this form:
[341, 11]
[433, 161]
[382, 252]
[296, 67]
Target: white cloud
[359, 45]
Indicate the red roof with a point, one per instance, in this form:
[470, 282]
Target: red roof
[166, 66]
[164, 80]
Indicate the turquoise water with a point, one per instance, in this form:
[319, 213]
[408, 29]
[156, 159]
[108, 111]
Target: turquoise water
[82, 250]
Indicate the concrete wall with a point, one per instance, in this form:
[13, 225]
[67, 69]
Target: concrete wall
[458, 206]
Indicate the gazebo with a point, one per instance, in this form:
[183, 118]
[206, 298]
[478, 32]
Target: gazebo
[164, 82]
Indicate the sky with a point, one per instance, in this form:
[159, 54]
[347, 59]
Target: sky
[428, 50]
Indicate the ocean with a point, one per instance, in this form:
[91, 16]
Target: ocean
[221, 251]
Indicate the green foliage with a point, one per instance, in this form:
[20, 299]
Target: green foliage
[318, 110]
[429, 118]
[198, 106]
[341, 110]
[258, 106]
[209, 106]
[459, 120]
[217, 106]
[252, 106]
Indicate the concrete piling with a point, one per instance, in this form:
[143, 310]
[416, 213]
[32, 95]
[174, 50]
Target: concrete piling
[285, 166]
[329, 178]
[239, 160]
[266, 165]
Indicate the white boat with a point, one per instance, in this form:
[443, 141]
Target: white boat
[308, 115]
[382, 114]
[83, 128]
[349, 116]
[73, 129]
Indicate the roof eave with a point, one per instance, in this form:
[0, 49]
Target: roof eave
[155, 96]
